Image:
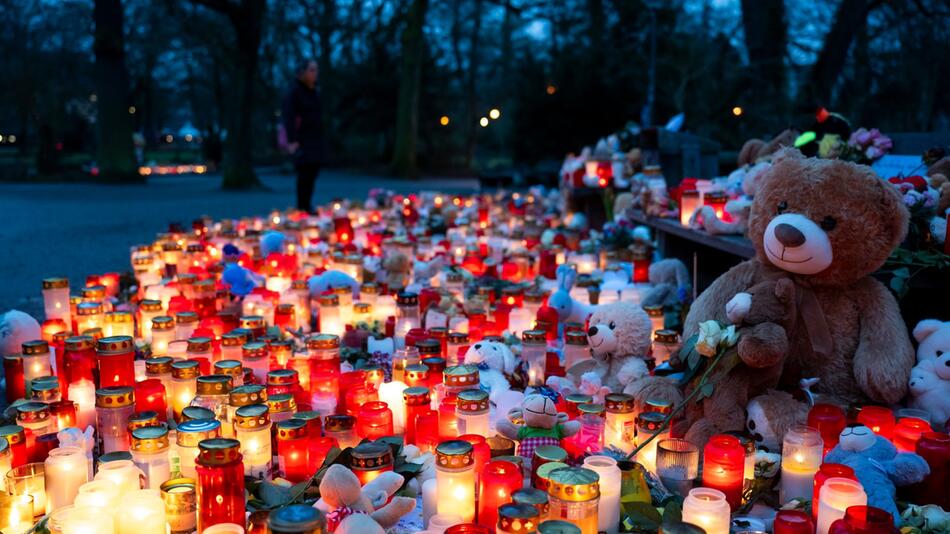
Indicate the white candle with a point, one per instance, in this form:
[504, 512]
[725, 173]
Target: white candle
[835, 496]
[83, 393]
[66, 470]
[224, 528]
[802, 451]
[608, 509]
[429, 493]
[123, 473]
[391, 394]
[708, 509]
[143, 512]
[519, 320]
[100, 495]
[88, 521]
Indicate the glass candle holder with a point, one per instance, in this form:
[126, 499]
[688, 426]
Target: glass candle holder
[185, 324]
[392, 393]
[342, 428]
[533, 497]
[99, 495]
[907, 433]
[282, 407]
[574, 493]
[148, 310]
[455, 479]
[252, 428]
[330, 319]
[143, 512]
[517, 519]
[36, 362]
[934, 447]
[114, 407]
[793, 522]
[230, 368]
[280, 351]
[29, 479]
[374, 420]
[826, 471]
[498, 480]
[836, 496]
[802, 450]
[123, 473]
[150, 395]
[150, 453]
[590, 438]
[16, 513]
[403, 358]
[56, 299]
[296, 519]
[89, 315]
[456, 346]
[13, 371]
[724, 467]
[863, 520]
[220, 483]
[708, 509]
[534, 354]
[65, 470]
[184, 385]
[88, 520]
[163, 333]
[15, 437]
[179, 495]
[255, 357]
[608, 509]
[293, 450]
[115, 357]
[472, 412]
[189, 435]
[657, 319]
[231, 346]
[879, 419]
[324, 350]
[620, 421]
[35, 419]
[6, 456]
[212, 392]
[650, 430]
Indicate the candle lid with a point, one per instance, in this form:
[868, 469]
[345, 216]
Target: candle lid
[434, 363]
[369, 288]
[14, 434]
[251, 322]
[162, 323]
[296, 519]
[59, 338]
[655, 310]
[45, 388]
[454, 454]
[77, 343]
[247, 394]
[199, 344]
[329, 299]
[4, 448]
[281, 403]
[374, 372]
[150, 439]
[218, 451]
[291, 429]
[556, 526]
[232, 339]
[371, 456]
[339, 423]
[619, 403]
[323, 341]
[158, 366]
[458, 338]
[185, 369]
[230, 368]
[196, 413]
[32, 412]
[460, 376]
[417, 372]
[416, 396]
[281, 346]
[531, 496]
[661, 406]
[575, 484]
[55, 283]
[472, 401]
[204, 286]
[439, 332]
[95, 292]
[715, 196]
[534, 336]
[575, 337]
[143, 419]
[517, 518]
[406, 298]
[282, 377]
[254, 350]
[429, 346]
[665, 336]
[119, 317]
[115, 456]
[251, 416]
[285, 309]
[650, 421]
[550, 453]
[190, 433]
[362, 308]
[186, 317]
[35, 347]
[112, 345]
[213, 385]
[115, 397]
[150, 305]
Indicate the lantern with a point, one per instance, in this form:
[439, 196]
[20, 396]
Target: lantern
[455, 479]
[368, 460]
[220, 483]
[724, 467]
[802, 450]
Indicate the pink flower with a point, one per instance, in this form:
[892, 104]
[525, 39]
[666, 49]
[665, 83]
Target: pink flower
[860, 137]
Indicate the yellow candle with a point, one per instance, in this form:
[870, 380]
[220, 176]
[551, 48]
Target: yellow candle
[16, 512]
[802, 452]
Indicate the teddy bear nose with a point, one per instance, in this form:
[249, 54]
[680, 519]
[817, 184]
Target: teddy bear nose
[592, 331]
[478, 346]
[789, 236]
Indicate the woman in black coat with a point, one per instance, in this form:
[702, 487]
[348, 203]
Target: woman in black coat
[303, 124]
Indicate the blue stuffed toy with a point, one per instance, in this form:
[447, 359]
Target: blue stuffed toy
[877, 465]
[321, 283]
[240, 280]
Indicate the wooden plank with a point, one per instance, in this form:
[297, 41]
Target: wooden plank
[733, 244]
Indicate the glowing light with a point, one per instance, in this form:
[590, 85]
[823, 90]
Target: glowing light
[494, 113]
[276, 219]
[11, 138]
[131, 110]
[483, 121]
[169, 138]
[92, 97]
[188, 138]
[737, 111]
[602, 181]
[551, 90]
[444, 120]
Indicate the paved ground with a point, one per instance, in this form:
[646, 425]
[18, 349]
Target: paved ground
[77, 229]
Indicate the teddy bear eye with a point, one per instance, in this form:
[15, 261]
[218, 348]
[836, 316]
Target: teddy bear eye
[782, 206]
[939, 353]
[751, 424]
[828, 223]
[612, 325]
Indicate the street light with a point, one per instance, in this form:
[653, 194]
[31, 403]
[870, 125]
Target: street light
[551, 89]
[444, 120]
[483, 121]
[737, 111]
[494, 113]
[131, 110]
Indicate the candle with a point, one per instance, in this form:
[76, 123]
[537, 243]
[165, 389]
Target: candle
[649, 424]
[115, 356]
[708, 509]
[574, 493]
[142, 512]
[534, 354]
[99, 495]
[391, 393]
[29, 479]
[220, 487]
[498, 480]
[150, 453]
[88, 521]
[455, 477]
[908, 431]
[114, 406]
[163, 333]
[292, 450]
[934, 447]
[793, 522]
[252, 428]
[189, 437]
[342, 428]
[319, 449]
[212, 392]
[689, 203]
[830, 420]
[864, 520]
[369, 459]
[184, 385]
[429, 498]
[456, 347]
[150, 397]
[180, 505]
[879, 419]
[13, 371]
[724, 467]
[123, 473]
[66, 469]
[255, 357]
[802, 450]
[83, 393]
[826, 471]
[89, 316]
[657, 318]
[16, 513]
[296, 519]
[620, 431]
[56, 299]
[472, 412]
[590, 438]
[375, 420]
[835, 496]
[36, 361]
[517, 519]
[6, 456]
[608, 510]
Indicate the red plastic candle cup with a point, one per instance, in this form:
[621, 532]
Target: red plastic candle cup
[907, 433]
[481, 452]
[547, 263]
[150, 395]
[320, 447]
[80, 356]
[64, 412]
[448, 420]
[293, 450]
[830, 420]
[351, 379]
[325, 383]
[414, 335]
[934, 447]
[724, 467]
[16, 382]
[864, 520]
[427, 430]
[498, 480]
[356, 397]
[115, 357]
[879, 419]
[641, 269]
[793, 522]
[220, 483]
[204, 365]
[375, 420]
[417, 375]
[417, 401]
[436, 365]
[280, 381]
[825, 472]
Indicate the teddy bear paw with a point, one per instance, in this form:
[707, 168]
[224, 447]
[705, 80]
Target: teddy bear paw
[738, 307]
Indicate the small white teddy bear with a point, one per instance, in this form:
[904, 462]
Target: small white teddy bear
[498, 362]
[930, 378]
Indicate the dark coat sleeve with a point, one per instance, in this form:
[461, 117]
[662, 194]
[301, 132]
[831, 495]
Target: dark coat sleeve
[289, 114]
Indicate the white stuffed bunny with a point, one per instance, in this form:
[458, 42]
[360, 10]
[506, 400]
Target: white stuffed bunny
[569, 309]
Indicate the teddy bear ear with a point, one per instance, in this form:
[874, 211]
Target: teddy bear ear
[925, 328]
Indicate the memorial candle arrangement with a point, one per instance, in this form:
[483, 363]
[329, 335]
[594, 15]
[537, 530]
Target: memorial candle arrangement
[455, 479]
[802, 450]
[724, 467]
[220, 482]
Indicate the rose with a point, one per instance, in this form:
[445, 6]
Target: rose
[729, 337]
[710, 334]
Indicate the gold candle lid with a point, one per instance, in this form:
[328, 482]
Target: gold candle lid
[299, 284]
[186, 317]
[472, 401]
[204, 286]
[534, 336]
[55, 283]
[656, 405]
[251, 416]
[454, 454]
[534, 296]
[576, 337]
[45, 388]
[150, 439]
[158, 366]
[199, 344]
[196, 413]
[150, 305]
[665, 336]
[281, 346]
[35, 347]
[655, 310]
[254, 349]
[650, 421]
[550, 453]
[578, 398]
[362, 308]
[323, 341]
[339, 423]
[77, 343]
[162, 323]
[179, 495]
[330, 299]
[429, 346]
[190, 433]
[416, 396]
[291, 429]
[575, 484]
[592, 408]
[284, 309]
[115, 345]
[282, 403]
[619, 403]
[218, 451]
[14, 434]
[143, 419]
[406, 298]
[115, 397]
[93, 293]
[59, 338]
[371, 456]
[417, 373]
[32, 412]
[214, 385]
[247, 394]
[119, 317]
[542, 475]
[232, 339]
[369, 288]
[252, 322]
[458, 338]
[230, 368]
[460, 376]
[282, 377]
[185, 369]
[518, 518]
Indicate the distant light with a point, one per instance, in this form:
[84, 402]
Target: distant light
[11, 138]
[551, 89]
[444, 120]
[494, 113]
[169, 138]
[1, 138]
[188, 138]
[483, 121]
[92, 97]
[131, 110]
[737, 111]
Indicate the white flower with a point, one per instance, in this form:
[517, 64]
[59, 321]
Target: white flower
[709, 336]
[729, 337]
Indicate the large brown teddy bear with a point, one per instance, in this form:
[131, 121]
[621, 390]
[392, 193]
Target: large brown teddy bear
[826, 225]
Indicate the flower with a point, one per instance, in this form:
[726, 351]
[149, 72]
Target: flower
[830, 146]
[729, 337]
[710, 334]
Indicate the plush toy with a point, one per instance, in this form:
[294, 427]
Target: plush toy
[705, 218]
[424, 271]
[569, 309]
[326, 281]
[930, 378]
[16, 328]
[240, 280]
[495, 363]
[756, 149]
[397, 269]
[342, 500]
[671, 284]
[272, 242]
[877, 465]
[622, 203]
[590, 384]
[933, 338]
[770, 415]
[542, 426]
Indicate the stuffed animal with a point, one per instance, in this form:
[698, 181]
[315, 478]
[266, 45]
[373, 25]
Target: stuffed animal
[16, 328]
[770, 415]
[930, 392]
[756, 149]
[705, 218]
[272, 242]
[397, 269]
[542, 426]
[569, 309]
[622, 203]
[326, 281]
[343, 501]
[241, 281]
[495, 363]
[933, 338]
[671, 284]
[424, 271]
[877, 465]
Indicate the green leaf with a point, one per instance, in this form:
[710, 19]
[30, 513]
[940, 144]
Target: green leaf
[672, 509]
[707, 390]
[903, 272]
[898, 284]
[275, 495]
[641, 516]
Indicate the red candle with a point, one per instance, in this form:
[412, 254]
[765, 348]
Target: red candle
[319, 449]
[16, 437]
[547, 263]
[115, 357]
[220, 484]
[481, 452]
[793, 522]
[549, 317]
[150, 396]
[80, 356]
[830, 420]
[44, 444]
[16, 382]
[281, 381]
[427, 430]
[417, 402]
[724, 467]
[293, 449]
[825, 472]
[436, 365]
[414, 335]
[879, 419]
[358, 396]
[52, 327]
[641, 269]
[65, 413]
[717, 201]
[347, 382]
[370, 459]
[907, 433]
[284, 316]
[864, 520]
[448, 421]
[324, 385]
[375, 420]
[417, 375]
[934, 447]
[498, 480]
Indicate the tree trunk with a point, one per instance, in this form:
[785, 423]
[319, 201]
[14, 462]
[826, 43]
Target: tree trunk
[407, 111]
[328, 88]
[850, 19]
[115, 156]
[238, 159]
[765, 39]
[471, 99]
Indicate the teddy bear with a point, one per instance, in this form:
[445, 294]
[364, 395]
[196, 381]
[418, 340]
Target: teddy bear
[16, 328]
[542, 425]
[569, 309]
[590, 383]
[877, 465]
[930, 378]
[344, 501]
[396, 270]
[770, 415]
[756, 149]
[671, 284]
[495, 363]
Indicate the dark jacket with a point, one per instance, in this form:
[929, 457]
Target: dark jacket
[303, 122]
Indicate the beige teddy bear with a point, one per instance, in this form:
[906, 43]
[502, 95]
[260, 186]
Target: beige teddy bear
[354, 510]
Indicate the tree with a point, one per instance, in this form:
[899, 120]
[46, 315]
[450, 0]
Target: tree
[245, 17]
[407, 108]
[765, 39]
[850, 20]
[115, 155]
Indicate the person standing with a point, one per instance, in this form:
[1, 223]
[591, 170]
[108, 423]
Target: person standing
[303, 126]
